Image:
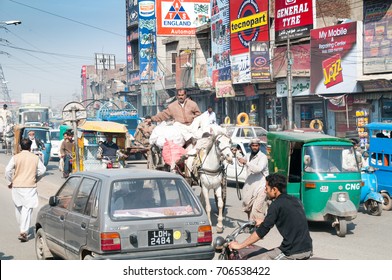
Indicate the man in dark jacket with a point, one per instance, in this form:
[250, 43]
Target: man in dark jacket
[287, 214]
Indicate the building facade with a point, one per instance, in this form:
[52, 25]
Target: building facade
[328, 59]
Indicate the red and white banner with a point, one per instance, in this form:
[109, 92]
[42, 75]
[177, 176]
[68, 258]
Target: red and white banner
[334, 59]
[248, 22]
[293, 18]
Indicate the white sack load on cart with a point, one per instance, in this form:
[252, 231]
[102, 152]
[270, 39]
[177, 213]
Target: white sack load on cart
[177, 134]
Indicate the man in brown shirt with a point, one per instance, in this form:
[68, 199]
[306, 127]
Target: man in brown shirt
[22, 173]
[66, 152]
[183, 110]
[143, 131]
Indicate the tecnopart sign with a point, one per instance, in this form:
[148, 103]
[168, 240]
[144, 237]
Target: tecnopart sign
[248, 22]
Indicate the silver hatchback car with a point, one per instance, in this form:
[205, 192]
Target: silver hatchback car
[124, 214]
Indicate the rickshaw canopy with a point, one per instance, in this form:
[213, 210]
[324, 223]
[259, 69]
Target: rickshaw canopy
[104, 126]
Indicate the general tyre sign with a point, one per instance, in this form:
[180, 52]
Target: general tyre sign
[293, 18]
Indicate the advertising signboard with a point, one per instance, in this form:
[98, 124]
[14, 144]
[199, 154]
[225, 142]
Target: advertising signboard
[334, 59]
[147, 40]
[293, 18]
[220, 40]
[259, 62]
[299, 87]
[301, 61]
[181, 17]
[148, 94]
[377, 47]
[224, 89]
[248, 22]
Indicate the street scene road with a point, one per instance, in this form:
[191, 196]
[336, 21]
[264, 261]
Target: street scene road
[364, 240]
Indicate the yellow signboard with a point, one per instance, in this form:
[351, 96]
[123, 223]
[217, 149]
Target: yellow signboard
[249, 22]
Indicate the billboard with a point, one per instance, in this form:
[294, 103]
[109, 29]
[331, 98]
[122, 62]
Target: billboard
[293, 18]
[147, 40]
[259, 62]
[377, 48]
[248, 22]
[334, 59]
[148, 94]
[220, 40]
[181, 17]
[224, 89]
[301, 61]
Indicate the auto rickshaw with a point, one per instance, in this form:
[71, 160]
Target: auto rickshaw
[322, 171]
[41, 132]
[90, 134]
[380, 157]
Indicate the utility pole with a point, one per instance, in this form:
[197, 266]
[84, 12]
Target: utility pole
[4, 88]
[289, 87]
[150, 90]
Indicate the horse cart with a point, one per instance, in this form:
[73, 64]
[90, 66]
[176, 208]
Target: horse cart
[203, 166]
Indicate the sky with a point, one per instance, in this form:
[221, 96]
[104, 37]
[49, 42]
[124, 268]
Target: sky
[46, 52]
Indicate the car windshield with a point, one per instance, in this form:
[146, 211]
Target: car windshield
[151, 198]
[330, 159]
[260, 132]
[55, 135]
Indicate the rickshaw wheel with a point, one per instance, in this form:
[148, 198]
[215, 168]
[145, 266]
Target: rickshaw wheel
[387, 205]
[341, 227]
[374, 208]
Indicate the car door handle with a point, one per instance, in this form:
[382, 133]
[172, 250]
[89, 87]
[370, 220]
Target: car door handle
[83, 226]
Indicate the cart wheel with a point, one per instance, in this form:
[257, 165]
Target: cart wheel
[387, 205]
[373, 207]
[341, 227]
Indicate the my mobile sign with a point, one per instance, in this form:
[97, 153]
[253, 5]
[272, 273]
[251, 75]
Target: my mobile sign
[293, 19]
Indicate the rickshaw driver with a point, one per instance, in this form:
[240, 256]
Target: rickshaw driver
[109, 149]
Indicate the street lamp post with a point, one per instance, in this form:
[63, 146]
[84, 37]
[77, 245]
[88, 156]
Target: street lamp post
[10, 22]
[3, 82]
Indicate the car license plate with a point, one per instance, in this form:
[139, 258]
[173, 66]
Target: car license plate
[160, 237]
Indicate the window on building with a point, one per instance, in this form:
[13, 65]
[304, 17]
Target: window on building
[173, 62]
[135, 54]
[386, 110]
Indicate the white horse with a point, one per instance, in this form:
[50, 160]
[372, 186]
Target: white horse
[211, 172]
[8, 136]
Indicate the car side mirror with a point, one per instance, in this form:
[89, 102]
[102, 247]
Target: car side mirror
[54, 200]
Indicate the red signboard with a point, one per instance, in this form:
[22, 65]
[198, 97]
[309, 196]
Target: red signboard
[293, 19]
[334, 59]
[248, 22]
[301, 61]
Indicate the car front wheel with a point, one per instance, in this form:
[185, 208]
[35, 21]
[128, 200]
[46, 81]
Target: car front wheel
[41, 247]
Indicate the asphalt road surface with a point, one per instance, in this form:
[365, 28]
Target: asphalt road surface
[367, 237]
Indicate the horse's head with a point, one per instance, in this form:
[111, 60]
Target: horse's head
[223, 144]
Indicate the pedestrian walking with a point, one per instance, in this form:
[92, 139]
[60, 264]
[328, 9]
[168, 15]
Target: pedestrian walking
[22, 173]
[66, 152]
[254, 198]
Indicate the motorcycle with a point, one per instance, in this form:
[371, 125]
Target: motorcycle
[371, 199]
[222, 244]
